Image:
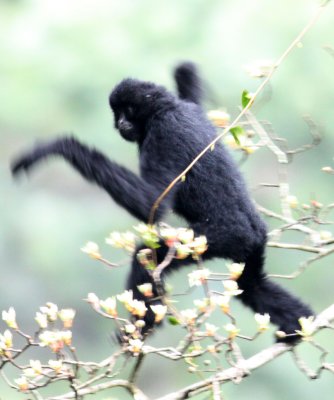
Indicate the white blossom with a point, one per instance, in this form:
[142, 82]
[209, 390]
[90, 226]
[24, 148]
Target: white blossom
[146, 289]
[260, 68]
[262, 321]
[51, 311]
[10, 318]
[202, 304]
[307, 327]
[231, 288]
[159, 311]
[109, 306]
[67, 315]
[135, 346]
[93, 300]
[232, 330]
[34, 370]
[126, 240]
[210, 329]
[6, 340]
[189, 315]
[138, 308]
[92, 249]
[219, 118]
[185, 235]
[292, 201]
[22, 383]
[56, 365]
[223, 302]
[41, 319]
[235, 269]
[198, 277]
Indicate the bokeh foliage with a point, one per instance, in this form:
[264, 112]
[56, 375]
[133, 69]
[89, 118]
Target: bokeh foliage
[59, 61]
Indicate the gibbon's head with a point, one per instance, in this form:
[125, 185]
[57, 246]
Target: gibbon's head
[133, 103]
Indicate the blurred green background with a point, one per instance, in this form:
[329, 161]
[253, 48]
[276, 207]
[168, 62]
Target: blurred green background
[58, 62]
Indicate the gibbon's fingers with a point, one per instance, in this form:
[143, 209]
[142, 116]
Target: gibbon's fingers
[22, 164]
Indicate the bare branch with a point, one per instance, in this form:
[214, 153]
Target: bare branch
[132, 389]
[244, 367]
[294, 246]
[294, 224]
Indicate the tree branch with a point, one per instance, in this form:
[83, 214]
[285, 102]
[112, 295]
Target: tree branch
[137, 393]
[244, 367]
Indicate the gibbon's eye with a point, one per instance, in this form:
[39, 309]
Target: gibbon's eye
[129, 112]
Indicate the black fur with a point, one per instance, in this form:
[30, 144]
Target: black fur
[213, 199]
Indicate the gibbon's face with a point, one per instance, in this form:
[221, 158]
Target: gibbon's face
[129, 104]
[126, 124]
[134, 103]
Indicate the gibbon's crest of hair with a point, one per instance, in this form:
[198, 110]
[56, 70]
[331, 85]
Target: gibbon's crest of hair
[170, 132]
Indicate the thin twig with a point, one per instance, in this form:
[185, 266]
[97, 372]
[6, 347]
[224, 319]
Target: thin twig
[294, 246]
[282, 159]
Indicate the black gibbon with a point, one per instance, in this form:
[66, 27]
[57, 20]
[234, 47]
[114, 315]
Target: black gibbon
[170, 132]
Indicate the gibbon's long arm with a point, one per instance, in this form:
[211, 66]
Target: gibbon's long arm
[127, 189]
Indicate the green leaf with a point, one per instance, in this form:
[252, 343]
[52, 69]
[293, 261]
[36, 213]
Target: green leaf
[246, 97]
[173, 321]
[150, 266]
[152, 244]
[236, 131]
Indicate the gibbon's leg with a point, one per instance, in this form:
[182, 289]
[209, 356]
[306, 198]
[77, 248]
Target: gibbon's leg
[259, 293]
[264, 296]
[127, 189]
[139, 275]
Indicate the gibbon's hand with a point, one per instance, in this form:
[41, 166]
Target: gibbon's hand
[23, 163]
[28, 159]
